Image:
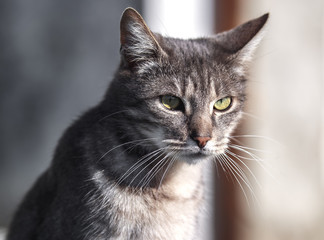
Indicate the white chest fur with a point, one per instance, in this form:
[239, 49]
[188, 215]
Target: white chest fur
[168, 213]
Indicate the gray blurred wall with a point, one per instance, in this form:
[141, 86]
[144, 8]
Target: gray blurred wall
[56, 60]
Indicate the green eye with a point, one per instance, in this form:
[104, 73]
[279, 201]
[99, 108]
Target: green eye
[223, 104]
[171, 102]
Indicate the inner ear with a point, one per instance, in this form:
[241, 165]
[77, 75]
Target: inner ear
[138, 43]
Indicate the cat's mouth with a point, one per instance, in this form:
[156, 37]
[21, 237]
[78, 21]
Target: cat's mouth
[190, 152]
[194, 154]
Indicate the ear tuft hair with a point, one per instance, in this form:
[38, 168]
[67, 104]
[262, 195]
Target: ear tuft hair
[138, 43]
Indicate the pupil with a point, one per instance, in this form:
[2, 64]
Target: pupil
[171, 100]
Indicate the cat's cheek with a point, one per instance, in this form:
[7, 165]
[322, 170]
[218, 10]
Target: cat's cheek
[173, 127]
[154, 135]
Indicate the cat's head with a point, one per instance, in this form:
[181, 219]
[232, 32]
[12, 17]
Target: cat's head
[183, 96]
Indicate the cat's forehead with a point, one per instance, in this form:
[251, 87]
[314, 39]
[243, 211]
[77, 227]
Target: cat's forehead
[191, 71]
[195, 70]
[192, 82]
[187, 48]
[199, 83]
[196, 58]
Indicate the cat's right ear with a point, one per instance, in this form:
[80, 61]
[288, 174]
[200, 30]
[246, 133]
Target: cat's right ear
[138, 44]
[241, 42]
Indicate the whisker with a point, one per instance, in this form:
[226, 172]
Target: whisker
[113, 114]
[123, 144]
[254, 158]
[243, 174]
[238, 170]
[173, 141]
[235, 140]
[256, 136]
[144, 159]
[129, 149]
[216, 166]
[230, 168]
[248, 148]
[252, 116]
[173, 159]
[220, 159]
[161, 154]
[153, 172]
[244, 178]
[247, 158]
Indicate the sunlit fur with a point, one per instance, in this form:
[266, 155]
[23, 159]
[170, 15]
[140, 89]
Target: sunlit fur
[131, 168]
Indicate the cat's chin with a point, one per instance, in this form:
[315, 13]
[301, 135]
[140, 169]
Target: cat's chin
[193, 158]
[195, 155]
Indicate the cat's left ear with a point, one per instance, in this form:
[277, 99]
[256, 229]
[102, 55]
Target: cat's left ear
[138, 43]
[241, 42]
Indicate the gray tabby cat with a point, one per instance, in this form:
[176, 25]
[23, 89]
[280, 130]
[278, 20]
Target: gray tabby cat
[131, 167]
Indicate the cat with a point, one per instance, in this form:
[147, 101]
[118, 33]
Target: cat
[131, 167]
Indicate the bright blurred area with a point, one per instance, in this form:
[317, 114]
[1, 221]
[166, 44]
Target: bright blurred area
[286, 98]
[58, 56]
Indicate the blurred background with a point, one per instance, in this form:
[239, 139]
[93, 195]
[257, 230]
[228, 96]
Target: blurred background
[57, 58]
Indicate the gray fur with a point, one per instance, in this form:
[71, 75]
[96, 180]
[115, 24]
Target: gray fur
[130, 168]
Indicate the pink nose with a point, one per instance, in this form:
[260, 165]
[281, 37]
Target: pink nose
[201, 141]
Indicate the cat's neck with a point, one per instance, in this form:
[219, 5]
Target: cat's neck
[183, 179]
[180, 182]
[167, 212]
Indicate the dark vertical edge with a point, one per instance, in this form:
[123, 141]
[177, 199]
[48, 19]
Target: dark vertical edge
[226, 14]
[226, 204]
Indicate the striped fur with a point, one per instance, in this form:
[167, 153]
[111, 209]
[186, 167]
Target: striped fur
[130, 168]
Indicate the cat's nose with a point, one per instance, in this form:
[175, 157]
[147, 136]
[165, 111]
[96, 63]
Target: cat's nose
[201, 141]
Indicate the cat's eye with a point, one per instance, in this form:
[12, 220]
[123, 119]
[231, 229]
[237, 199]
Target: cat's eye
[223, 104]
[171, 102]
